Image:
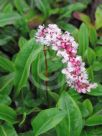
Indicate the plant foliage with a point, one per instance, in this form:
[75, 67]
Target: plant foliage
[34, 97]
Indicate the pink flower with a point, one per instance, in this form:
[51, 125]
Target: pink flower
[66, 47]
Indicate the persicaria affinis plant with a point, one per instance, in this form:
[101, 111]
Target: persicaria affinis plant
[66, 47]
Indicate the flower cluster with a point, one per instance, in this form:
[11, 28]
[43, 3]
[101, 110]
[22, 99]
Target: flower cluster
[66, 47]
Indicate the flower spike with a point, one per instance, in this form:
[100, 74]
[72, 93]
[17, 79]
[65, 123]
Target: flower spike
[66, 47]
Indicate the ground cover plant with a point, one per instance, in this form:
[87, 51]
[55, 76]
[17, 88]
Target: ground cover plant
[36, 98]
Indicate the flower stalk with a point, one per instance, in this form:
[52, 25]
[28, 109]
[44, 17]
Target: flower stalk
[46, 73]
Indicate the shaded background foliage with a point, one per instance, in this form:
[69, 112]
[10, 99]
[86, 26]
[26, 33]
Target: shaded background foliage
[34, 98]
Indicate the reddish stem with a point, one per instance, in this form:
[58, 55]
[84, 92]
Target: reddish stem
[46, 73]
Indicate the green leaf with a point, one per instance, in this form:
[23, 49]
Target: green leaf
[6, 83]
[22, 42]
[98, 51]
[88, 105]
[7, 114]
[62, 128]
[98, 76]
[46, 120]
[95, 119]
[98, 16]
[8, 8]
[83, 39]
[3, 3]
[54, 95]
[4, 39]
[22, 25]
[69, 27]
[57, 65]
[21, 6]
[72, 124]
[43, 6]
[73, 93]
[97, 66]
[40, 67]
[68, 10]
[97, 91]
[90, 73]
[86, 108]
[92, 35]
[35, 78]
[90, 55]
[84, 111]
[4, 99]
[6, 64]
[91, 29]
[9, 18]
[23, 62]
[7, 130]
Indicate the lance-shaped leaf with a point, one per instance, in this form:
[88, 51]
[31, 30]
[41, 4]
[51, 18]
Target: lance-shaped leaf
[6, 64]
[72, 124]
[43, 6]
[23, 62]
[7, 114]
[6, 83]
[9, 18]
[4, 99]
[7, 130]
[46, 120]
[98, 15]
[68, 10]
[95, 119]
[83, 39]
